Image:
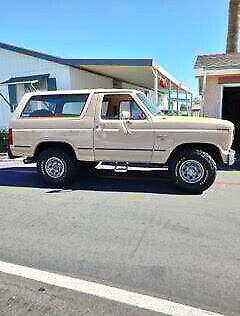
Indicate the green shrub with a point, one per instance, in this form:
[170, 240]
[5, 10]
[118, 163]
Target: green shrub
[3, 141]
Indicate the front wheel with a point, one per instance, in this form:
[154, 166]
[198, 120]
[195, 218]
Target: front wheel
[193, 170]
[57, 167]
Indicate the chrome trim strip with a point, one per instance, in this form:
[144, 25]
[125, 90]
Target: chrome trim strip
[130, 149]
[22, 146]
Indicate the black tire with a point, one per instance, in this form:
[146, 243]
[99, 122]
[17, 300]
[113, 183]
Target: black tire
[204, 171]
[68, 166]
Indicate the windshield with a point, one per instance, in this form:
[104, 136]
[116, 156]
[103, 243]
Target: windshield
[151, 106]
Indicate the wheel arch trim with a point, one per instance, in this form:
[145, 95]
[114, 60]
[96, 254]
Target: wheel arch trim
[46, 144]
[212, 149]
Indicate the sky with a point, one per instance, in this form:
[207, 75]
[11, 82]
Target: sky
[171, 32]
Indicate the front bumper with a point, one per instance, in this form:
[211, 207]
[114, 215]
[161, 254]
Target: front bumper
[231, 157]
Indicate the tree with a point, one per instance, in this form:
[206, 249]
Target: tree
[233, 26]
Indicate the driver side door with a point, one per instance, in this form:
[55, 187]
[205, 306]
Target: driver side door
[115, 139]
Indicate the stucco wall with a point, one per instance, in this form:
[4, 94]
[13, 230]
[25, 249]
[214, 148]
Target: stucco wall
[126, 85]
[85, 80]
[14, 64]
[4, 109]
[212, 98]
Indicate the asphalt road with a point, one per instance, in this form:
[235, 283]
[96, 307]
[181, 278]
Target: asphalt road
[135, 232]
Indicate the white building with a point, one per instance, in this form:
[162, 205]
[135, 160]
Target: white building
[23, 70]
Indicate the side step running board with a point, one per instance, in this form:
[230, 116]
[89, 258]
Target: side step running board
[124, 166]
[121, 166]
[117, 166]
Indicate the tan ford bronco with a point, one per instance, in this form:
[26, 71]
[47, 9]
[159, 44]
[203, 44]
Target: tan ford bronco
[60, 130]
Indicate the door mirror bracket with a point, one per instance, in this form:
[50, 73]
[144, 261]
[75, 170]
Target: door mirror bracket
[125, 115]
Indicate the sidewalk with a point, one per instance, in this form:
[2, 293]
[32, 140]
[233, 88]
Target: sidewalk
[4, 158]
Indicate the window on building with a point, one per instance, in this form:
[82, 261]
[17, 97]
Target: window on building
[28, 87]
[55, 105]
[113, 105]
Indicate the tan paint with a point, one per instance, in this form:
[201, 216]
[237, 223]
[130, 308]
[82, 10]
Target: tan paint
[149, 140]
[213, 93]
[212, 97]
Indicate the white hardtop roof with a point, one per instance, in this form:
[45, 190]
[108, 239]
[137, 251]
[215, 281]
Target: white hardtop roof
[82, 91]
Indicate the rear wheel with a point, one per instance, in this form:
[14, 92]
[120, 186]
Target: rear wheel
[193, 170]
[57, 167]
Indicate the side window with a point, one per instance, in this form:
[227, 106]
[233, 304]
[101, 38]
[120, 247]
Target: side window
[72, 108]
[104, 110]
[135, 112]
[125, 106]
[113, 105]
[109, 110]
[39, 108]
[55, 105]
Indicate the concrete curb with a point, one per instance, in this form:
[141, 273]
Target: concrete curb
[5, 158]
[10, 160]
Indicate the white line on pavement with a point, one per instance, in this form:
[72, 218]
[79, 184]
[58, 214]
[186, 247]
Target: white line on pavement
[107, 292]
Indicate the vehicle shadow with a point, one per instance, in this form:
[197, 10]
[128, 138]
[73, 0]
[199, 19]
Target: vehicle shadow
[138, 182]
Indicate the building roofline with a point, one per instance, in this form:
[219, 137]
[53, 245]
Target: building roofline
[200, 72]
[109, 62]
[77, 62]
[217, 61]
[31, 53]
[83, 63]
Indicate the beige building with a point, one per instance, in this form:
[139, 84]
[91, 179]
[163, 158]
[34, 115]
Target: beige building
[219, 86]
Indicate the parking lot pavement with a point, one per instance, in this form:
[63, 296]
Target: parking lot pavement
[133, 232]
[23, 297]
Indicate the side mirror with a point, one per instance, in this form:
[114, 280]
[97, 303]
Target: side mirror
[125, 115]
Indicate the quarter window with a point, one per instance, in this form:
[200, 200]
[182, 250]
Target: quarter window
[55, 105]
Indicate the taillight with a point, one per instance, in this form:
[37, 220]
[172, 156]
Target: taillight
[10, 137]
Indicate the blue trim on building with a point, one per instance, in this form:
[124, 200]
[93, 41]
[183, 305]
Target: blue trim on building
[82, 63]
[31, 53]
[51, 84]
[12, 92]
[78, 62]
[110, 62]
[25, 79]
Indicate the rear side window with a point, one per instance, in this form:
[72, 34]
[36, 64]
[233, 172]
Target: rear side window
[55, 105]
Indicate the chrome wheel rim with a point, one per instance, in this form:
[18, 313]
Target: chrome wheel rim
[191, 171]
[54, 167]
